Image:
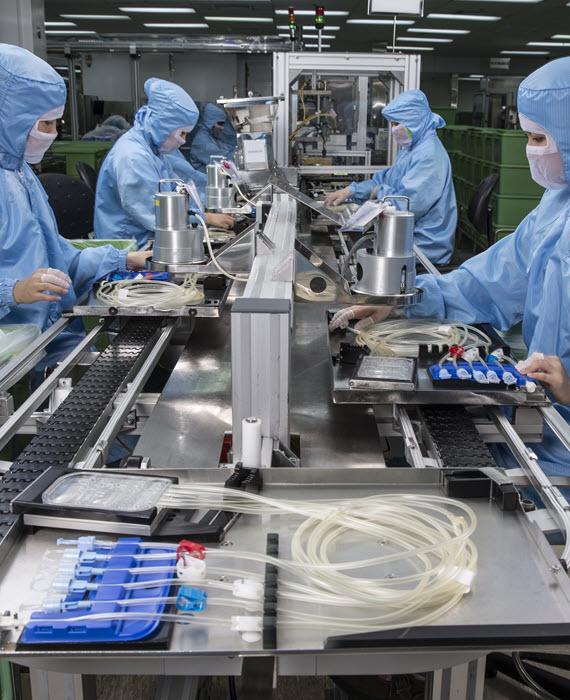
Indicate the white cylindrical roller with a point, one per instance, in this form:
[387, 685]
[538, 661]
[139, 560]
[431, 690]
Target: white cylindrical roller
[251, 442]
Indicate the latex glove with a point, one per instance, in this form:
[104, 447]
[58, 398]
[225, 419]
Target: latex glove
[548, 370]
[37, 286]
[137, 261]
[338, 197]
[367, 315]
[220, 220]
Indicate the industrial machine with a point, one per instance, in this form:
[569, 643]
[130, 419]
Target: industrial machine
[239, 450]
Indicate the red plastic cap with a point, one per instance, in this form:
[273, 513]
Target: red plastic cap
[194, 549]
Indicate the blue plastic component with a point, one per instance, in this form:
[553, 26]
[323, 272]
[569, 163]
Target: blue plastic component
[146, 274]
[121, 556]
[191, 599]
[507, 374]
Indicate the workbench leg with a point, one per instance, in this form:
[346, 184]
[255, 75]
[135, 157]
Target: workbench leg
[47, 685]
[178, 688]
[465, 682]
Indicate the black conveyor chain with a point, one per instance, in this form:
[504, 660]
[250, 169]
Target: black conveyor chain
[64, 433]
[456, 438]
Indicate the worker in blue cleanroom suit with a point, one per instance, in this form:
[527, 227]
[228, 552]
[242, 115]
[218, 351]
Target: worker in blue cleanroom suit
[147, 153]
[525, 276]
[215, 136]
[40, 272]
[422, 172]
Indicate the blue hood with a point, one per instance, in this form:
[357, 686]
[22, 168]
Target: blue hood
[212, 114]
[411, 108]
[29, 87]
[169, 107]
[544, 97]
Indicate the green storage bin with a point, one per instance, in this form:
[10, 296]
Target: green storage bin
[127, 244]
[490, 139]
[515, 180]
[509, 147]
[511, 210]
[90, 152]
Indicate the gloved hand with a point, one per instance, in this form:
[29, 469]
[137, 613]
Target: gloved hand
[220, 220]
[548, 370]
[368, 315]
[337, 197]
[137, 261]
[36, 287]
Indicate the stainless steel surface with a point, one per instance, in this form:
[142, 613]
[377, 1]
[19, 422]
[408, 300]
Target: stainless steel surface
[558, 425]
[171, 210]
[187, 427]
[509, 589]
[219, 193]
[237, 102]
[380, 276]
[426, 392]
[394, 234]
[10, 427]
[551, 496]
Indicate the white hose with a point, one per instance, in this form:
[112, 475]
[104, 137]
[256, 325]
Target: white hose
[155, 294]
[237, 278]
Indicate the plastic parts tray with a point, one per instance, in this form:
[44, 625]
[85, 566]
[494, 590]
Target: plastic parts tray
[46, 628]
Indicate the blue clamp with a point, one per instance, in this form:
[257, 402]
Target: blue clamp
[191, 599]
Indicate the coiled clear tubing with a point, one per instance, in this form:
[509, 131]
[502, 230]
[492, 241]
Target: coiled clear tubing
[428, 538]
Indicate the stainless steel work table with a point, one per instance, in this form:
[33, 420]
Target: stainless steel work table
[187, 426]
[520, 597]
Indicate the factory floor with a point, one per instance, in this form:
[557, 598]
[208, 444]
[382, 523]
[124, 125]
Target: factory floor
[147, 688]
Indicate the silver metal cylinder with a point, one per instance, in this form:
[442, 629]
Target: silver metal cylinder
[178, 246]
[384, 276]
[175, 242]
[219, 193]
[394, 234]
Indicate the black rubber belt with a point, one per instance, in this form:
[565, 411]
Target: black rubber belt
[59, 440]
[456, 439]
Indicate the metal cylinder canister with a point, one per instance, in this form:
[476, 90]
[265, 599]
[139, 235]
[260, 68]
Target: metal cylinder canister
[219, 193]
[388, 266]
[175, 241]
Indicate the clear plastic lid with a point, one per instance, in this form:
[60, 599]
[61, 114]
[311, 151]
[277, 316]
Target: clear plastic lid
[112, 492]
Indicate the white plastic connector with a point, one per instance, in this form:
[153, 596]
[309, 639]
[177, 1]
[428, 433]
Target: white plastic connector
[250, 627]
[480, 377]
[444, 329]
[530, 387]
[190, 568]
[471, 355]
[462, 373]
[9, 621]
[444, 373]
[493, 377]
[498, 353]
[509, 378]
[248, 589]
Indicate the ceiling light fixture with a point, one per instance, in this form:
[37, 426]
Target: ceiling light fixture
[311, 27]
[406, 48]
[60, 24]
[96, 17]
[160, 10]
[316, 46]
[469, 18]
[415, 30]
[177, 25]
[258, 20]
[561, 44]
[316, 36]
[69, 32]
[385, 22]
[425, 40]
[525, 53]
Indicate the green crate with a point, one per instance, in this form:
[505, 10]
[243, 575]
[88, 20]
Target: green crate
[453, 137]
[490, 138]
[511, 210]
[515, 180]
[509, 147]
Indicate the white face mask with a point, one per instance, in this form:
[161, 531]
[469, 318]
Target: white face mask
[546, 167]
[402, 135]
[174, 141]
[38, 142]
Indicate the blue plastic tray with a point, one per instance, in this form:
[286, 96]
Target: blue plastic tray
[87, 632]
